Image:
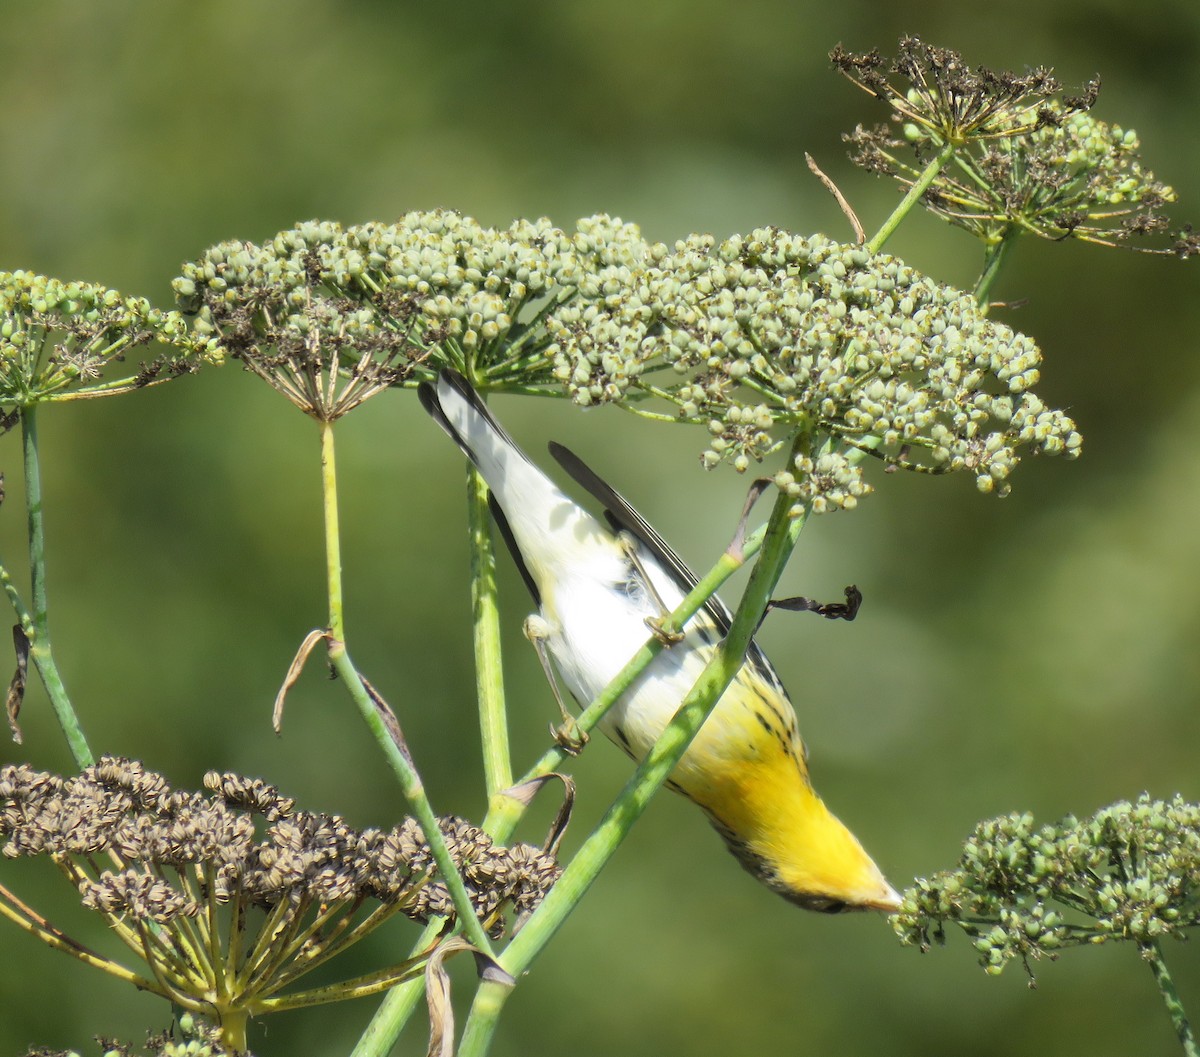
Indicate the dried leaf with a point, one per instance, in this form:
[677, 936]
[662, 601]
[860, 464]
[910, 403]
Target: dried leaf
[390, 722]
[16, 688]
[437, 991]
[293, 674]
[524, 792]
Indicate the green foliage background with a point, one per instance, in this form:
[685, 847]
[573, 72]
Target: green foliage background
[1037, 652]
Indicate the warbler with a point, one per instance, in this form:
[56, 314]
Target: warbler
[595, 585]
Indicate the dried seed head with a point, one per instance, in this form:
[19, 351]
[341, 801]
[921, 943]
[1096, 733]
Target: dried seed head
[245, 840]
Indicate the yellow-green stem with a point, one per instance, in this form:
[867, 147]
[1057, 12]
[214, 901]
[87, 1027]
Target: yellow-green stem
[333, 538]
[24, 918]
[233, 1030]
[919, 187]
[993, 261]
[1152, 952]
[396, 755]
[39, 651]
[485, 617]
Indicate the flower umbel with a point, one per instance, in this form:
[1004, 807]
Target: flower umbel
[766, 335]
[231, 897]
[1026, 156]
[58, 339]
[1130, 872]
[330, 316]
[756, 338]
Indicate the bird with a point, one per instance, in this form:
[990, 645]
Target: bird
[596, 583]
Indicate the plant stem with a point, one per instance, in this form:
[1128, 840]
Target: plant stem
[396, 754]
[919, 187]
[233, 1030]
[39, 650]
[993, 260]
[647, 779]
[333, 535]
[1152, 952]
[485, 617]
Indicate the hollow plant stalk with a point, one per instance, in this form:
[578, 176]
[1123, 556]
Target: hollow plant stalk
[396, 755]
[485, 622]
[38, 629]
[1152, 953]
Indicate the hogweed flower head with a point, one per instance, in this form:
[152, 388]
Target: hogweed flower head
[331, 315]
[758, 339]
[231, 896]
[768, 335]
[1027, 156]
[58, 340]
[1023, 891]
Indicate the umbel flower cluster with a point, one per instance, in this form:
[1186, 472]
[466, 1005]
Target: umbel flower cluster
[774, 343]
[1027, 157]
[1021, 891]
[57, 339]
[231, 896]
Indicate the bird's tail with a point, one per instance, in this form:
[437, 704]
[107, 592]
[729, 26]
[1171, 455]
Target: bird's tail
[542, 526]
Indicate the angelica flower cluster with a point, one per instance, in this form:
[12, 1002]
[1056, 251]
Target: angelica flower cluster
[331, 315]
[759, 339]
[1026, 156]
[764, 336]
[58, 338]
[1023, 891]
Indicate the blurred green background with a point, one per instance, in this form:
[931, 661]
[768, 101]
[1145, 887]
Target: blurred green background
[1033, 653]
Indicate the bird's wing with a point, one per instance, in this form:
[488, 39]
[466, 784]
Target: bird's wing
[622, 515]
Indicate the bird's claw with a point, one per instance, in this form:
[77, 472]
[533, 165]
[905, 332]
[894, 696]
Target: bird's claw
[569, 737]
[665, 637]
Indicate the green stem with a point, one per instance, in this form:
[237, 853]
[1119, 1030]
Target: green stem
[919, 187]
[1152, 952]
[666, 752]
[505, 812]
[485, 615]
[39, 651]
[333, 535]
[396, 755]
[993, 260]
[233, 1029]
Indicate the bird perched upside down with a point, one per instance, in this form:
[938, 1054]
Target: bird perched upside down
[595, 586]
